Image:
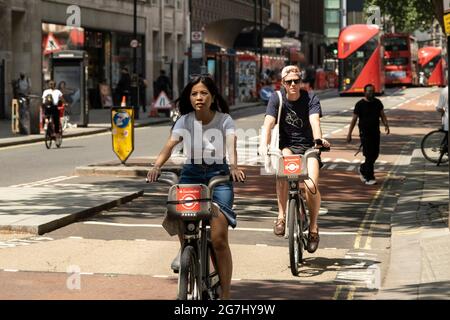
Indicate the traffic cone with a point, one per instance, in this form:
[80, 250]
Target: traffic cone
[153, 111]
[124, 102]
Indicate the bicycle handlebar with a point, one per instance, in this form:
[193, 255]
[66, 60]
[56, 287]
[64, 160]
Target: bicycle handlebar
[172, 178]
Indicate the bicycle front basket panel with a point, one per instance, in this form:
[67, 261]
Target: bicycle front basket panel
[292, 167]
[189, 202]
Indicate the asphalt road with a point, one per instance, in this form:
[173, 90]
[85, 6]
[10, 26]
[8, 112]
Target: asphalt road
[126, 246]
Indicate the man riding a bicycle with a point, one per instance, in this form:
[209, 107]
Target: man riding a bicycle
[51, 99]
[299, 128]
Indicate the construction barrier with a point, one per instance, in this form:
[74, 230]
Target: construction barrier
[15, 116]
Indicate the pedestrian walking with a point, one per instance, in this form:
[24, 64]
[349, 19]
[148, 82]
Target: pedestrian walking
[368, 110]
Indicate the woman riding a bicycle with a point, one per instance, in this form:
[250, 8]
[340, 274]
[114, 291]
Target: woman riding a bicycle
[208, 133]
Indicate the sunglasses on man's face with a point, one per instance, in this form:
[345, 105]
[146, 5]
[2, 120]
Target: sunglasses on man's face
[290, 82]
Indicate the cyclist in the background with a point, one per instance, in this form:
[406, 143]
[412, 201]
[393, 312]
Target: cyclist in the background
[442, 107]
[51, 98]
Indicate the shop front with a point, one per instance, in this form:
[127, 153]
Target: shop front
[107, 54]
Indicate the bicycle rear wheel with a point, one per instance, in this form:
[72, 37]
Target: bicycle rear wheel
[434, 146]
[58, 140]
[188, 280]
[295, 242]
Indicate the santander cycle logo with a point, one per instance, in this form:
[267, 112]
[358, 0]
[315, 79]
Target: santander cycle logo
[292, 165]
[189, 194]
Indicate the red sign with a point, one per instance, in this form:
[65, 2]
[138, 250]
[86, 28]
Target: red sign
[51, 45]
[191, 193]
[292, 165]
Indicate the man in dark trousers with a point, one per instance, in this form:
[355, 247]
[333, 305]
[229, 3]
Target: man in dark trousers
[162, 83]
[369, 111]
[124, 86]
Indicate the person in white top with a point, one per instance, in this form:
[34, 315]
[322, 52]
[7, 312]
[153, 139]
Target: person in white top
[442, 107]
[208, 132]
[51, 98]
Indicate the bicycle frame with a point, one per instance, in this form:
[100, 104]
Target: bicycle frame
[196, 235]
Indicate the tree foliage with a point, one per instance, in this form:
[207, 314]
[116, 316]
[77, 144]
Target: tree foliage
[406, 15]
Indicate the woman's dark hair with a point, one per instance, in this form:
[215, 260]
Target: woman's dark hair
[184, 101]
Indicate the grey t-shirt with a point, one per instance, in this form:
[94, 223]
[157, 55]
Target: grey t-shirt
[204, 142]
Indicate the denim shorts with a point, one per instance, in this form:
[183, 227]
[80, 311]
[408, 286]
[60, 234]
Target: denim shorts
[223, 194]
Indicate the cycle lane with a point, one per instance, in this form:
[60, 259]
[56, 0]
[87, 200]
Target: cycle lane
[258, 265]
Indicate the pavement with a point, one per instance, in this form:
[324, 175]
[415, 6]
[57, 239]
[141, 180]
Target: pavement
[420, 238]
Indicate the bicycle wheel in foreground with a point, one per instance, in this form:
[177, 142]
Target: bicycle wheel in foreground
[188, 282]
[433, 146]
[48, 138]
[295, 243]
[58, 140]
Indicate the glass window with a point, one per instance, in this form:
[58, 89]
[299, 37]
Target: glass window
[430, 66]
[354, 64]
[332, 30]
[332, 4]
[396, 61]
[395, 44]
[331, 16]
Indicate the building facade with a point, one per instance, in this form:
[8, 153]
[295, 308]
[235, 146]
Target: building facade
[33, 30]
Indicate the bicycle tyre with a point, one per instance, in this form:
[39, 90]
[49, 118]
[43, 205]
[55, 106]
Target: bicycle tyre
[294, 236]
[188, 282]
[431, 146]
[58, 140]
[48, 138]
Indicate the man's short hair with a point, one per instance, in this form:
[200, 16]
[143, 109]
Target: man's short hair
[368, 85]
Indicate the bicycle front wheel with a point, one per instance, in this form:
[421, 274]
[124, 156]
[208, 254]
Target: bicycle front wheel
[188, 280]
[48, 138]
[295, 243]
[58, 140]
[434, 146]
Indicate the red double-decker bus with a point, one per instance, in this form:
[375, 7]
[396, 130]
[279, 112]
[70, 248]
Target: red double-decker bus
[432, 66]
[400, 59]
[360, 57]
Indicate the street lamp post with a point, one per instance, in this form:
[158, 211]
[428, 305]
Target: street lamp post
[135, 79]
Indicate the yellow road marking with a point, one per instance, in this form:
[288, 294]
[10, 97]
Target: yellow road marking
[351, 292]
[337, 292]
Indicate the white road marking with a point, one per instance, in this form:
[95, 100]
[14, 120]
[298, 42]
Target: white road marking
[236, 229]
[43, 182]
[10, 270]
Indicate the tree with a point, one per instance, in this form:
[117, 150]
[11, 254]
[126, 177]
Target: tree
[407, 15]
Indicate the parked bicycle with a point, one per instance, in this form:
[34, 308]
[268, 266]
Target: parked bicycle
[435, 146]
[294, 169]
[191, 204]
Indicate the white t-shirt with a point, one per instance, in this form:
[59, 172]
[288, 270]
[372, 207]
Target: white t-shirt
[207, 142]
[56, 94]
[443, 105]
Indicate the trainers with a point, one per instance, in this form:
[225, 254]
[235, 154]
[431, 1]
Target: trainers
[361, 176]
[371, 182]
[175, 265]
[278, 228]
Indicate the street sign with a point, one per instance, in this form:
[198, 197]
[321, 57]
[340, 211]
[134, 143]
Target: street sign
[447, 17]
[51, 45]
[122, 129]
[134, 43]
[197, 36]
[272, 42]
[163, 101]
[197, 50]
